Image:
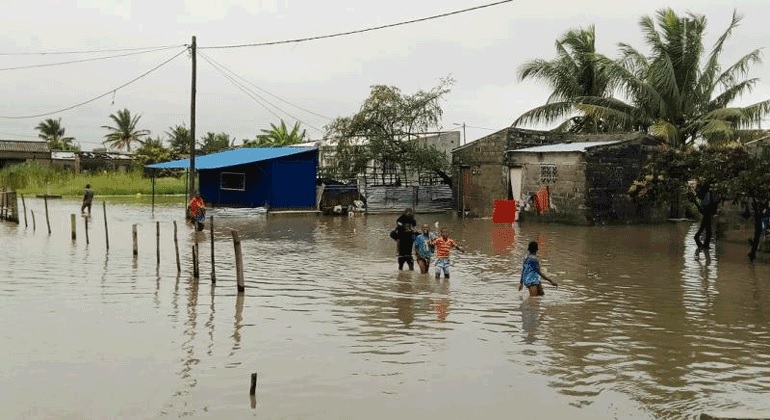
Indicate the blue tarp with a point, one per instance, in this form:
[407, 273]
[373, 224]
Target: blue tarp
[233, 157]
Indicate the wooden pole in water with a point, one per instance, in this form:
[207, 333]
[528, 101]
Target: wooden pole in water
[238, 261]
[72, 225]
[134, 240]
[253, 388]
[211, 234]
[47, 221]
[153, 191]
[88, 241]
[106, 231]
[157, 241]
[33, 219]
[24, 205]
[176, 248]
[196, 273]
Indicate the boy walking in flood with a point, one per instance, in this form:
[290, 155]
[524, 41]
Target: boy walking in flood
[423, 248]
[530, 272]
[443, 245]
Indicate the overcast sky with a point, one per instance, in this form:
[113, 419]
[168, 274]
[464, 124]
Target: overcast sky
[481, 50]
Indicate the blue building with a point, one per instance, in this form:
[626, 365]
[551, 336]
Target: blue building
[274, 177]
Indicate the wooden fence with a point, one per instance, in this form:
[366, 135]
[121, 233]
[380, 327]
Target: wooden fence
[9, 206]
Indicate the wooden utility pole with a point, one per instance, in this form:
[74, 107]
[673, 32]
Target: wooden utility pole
[193, 54]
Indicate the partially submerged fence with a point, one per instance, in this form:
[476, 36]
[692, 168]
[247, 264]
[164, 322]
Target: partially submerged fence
[9, 206]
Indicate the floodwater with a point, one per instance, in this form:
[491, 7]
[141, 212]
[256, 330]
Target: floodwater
[641, 326]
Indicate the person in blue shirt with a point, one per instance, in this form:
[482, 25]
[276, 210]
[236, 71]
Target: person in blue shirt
[530, 273]
[423, 248]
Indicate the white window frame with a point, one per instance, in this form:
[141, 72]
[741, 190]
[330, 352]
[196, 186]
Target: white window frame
[243, 181]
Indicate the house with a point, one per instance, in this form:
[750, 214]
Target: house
[65, 161]
[389, 189]
[491, 168]
[103, 160]
[20, 151]
[274, 177]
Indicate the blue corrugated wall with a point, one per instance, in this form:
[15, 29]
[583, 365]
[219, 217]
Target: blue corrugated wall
[287, 182]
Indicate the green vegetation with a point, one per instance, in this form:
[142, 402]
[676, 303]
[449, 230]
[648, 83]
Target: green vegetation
[33, 178]
[278, 135]
[124, 133]
[52, 132]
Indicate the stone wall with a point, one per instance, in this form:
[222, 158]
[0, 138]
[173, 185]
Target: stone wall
[567, 193]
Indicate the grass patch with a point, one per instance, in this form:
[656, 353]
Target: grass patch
[33, 178]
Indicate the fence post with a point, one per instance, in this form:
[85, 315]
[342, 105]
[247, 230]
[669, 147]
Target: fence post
[47, 221]
[72, 225]
[176, 248]
[211, 234]
[88, 241]
[157, 241]
[24, 205]
[238, 261]
[134, 240]
[32, 212]
[106, 231]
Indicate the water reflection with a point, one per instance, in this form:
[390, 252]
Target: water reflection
[639, 313]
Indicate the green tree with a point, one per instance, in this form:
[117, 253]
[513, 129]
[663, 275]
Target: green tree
[53, 133]
[213, 143]
[735, 173]
[179, 140]
[384, 128]
[152, 151]
[278, 135]
[678, 92]
[124, 132]
[576, 72]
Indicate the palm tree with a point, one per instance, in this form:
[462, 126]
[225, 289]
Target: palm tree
[277, 136]
[179, 139]
[676, 93]
[124, 133]
[53, 133]
[213, 143]
[575, 72]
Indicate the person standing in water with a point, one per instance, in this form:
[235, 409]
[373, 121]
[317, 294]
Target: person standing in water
[197, 211]
[88, 198]
[405, 242]
[531, 273]
[423, 248]
[443, 245]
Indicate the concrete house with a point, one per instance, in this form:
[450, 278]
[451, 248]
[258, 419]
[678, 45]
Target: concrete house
[514, 164]
[18, 151]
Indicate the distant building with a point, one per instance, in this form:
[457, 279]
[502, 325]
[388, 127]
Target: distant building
[64, 161]
[587, 175]
[274, 177]
[102, 160]
[20, 151]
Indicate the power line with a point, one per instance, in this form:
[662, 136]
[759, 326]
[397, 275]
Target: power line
[60, 63]
[19, 117]
[358, 31]
[253, 95]
[88, 51]
[265, 91]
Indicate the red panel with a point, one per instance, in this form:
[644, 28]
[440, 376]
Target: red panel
[504, 211]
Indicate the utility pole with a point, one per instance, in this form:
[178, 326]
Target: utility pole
[465, 139]
[192, 117]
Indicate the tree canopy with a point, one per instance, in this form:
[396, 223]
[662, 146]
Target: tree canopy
[383, 131]
[52, 132]
[278, 135]
[215, 142]
[124, 132]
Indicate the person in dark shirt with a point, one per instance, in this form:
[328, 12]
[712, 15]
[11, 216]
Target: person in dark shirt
[406, 218]
[88, 198]
[707, 203]
[405, 243]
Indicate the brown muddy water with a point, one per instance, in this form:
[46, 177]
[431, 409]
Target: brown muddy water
[642, 325]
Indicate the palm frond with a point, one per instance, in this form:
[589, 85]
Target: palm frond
[544, 114]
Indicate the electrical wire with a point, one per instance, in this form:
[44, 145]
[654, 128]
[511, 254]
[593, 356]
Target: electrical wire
[265, 91]
[20, 117]
[89, 51]
[61, 63]
[358, 31]
[253, 95]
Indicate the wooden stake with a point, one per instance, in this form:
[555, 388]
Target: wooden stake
[211, 234]
[135, 240]
[72, 225]
[157, 241]
[253, 388]
[47, 221]
[88, 241]
[33, 219]
[24, 205]
[238, 261]
[106, 231]
[196, 274]
[176, 248]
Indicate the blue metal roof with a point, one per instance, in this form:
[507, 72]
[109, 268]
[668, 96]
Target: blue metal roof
[233, 157]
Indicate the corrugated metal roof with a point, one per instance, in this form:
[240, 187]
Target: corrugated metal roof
[579, 146]
[23, 146]
[233, 157]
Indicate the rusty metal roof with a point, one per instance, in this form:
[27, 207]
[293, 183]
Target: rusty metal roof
[578, 146]
[23, 146]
